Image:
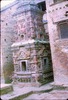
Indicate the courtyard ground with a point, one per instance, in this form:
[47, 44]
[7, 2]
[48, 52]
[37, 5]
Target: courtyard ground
[45, 92]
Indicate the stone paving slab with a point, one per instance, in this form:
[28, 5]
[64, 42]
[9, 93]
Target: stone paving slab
[17, 92]
[53, 95]
[36, 93]
[20, 91]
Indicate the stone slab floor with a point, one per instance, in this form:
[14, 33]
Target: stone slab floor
[20, 91]
[53, 95]
[44, 92]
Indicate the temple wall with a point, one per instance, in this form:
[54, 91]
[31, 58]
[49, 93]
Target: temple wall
[30, 51]
[12, 28]
[7, 38]
[57, 16]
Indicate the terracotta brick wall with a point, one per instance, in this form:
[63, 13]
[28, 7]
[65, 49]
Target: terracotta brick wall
[7, 38]
[56, 14]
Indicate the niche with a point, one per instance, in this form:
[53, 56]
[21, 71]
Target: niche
[23, 65]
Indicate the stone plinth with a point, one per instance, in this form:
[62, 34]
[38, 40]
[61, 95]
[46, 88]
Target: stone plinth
[29, 62]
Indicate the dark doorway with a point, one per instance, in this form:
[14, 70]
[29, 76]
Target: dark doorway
[42, 6]
[45, 62]
[23, 66]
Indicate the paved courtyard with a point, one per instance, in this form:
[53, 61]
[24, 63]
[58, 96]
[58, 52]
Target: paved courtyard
[53, 95]
[44, 92]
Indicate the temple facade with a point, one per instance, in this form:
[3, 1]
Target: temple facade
[26, 40]
[26, 56]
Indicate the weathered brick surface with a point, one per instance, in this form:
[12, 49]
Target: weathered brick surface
[7, 34]
[56, 14]
[19, 26]
[31, 45]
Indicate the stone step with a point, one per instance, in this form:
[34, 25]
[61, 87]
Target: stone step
[53, 95]
[20, 93]
[6, 88]
[59, 86]
[17, 94]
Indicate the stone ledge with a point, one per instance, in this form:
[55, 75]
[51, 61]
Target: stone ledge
[6, 88]
[20, 93]
[59, 86]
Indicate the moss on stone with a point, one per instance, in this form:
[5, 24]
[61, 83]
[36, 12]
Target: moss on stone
[58, 87]
[8, 69]
[6, 90]
[22, 96]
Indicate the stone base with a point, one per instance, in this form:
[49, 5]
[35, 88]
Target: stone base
[6, 88]
[36, 84]
[29, 84]
[59, 86]
[22, 84]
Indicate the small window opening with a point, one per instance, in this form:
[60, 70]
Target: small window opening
[4, 39]
[57, 1]
[63, 30]
[42, 6]
[22, 36]
[6, 24]
[45, 62]
[6, 57]
[23, 66]
[2, 20]
[41, 36]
